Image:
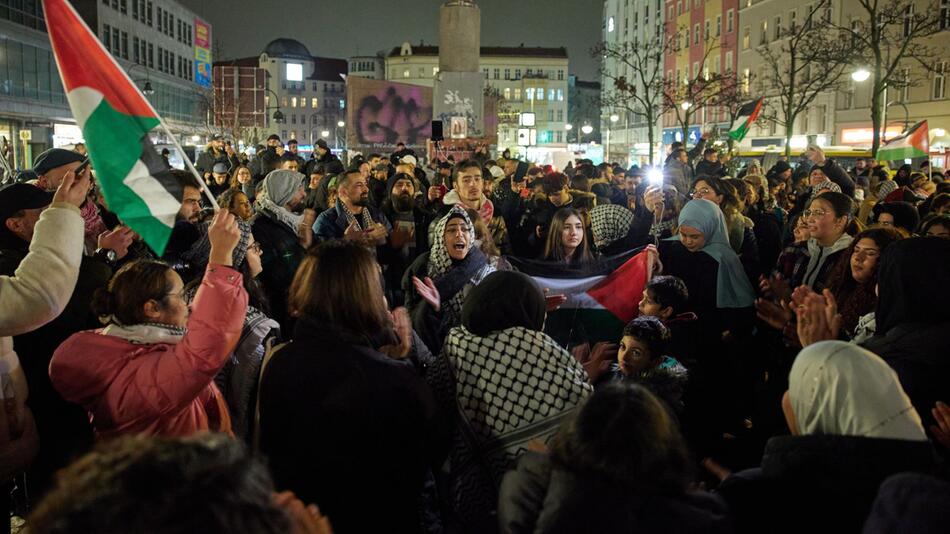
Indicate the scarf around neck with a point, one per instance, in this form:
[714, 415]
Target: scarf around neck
[452, 277]
[486, 211]
[363, 219]
[146, 333]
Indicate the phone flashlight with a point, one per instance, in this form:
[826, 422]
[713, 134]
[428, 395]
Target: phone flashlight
[655, 177]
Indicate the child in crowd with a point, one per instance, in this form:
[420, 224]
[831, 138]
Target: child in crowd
[666, 298]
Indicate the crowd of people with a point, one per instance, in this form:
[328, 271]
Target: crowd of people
[350, 348]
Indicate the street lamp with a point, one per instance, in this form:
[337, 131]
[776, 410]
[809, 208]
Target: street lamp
[587, 129]
[147, 88]
[278, 115]
[860, 74]
[614, 118]
[341, 124]
[686, 105]
[325, 133]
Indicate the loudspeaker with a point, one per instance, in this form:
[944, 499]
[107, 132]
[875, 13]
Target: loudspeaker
[437, 131]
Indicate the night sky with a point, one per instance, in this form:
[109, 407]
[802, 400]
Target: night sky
[362, 27]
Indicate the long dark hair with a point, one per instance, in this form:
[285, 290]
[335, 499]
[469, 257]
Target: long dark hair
[554, 248]
[624, 435]
[134, 284]
[855, 299]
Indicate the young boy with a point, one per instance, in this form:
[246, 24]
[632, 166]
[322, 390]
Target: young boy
[666, 297]
[642, 357]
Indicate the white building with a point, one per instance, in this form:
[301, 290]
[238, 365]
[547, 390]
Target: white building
[529, 80]
[372, 67]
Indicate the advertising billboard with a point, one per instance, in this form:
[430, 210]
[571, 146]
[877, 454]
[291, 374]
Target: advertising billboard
[202, 53]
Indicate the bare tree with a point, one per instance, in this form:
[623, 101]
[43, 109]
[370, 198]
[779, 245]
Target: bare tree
[689, 97]
[885, 36]
[640, 94]
[800, 64]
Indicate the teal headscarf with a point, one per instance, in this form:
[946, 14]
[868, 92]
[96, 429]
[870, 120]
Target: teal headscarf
[733, 289]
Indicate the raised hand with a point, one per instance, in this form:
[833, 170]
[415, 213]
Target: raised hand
[224, 235]
[403, 327]
[73, 189]
[353, 232]
[776, 315]
[118, 240]
[428, 292]
[818, 319]
[941, 430]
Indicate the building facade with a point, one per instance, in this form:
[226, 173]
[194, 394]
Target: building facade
[309, 92]
[372, 67]
[240, 108]
[155, 41]
[583, 109]
[528, 80]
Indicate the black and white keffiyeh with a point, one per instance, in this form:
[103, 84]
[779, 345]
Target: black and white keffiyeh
[510, 387]
[455, 279]
[609, 222]
[363, 219]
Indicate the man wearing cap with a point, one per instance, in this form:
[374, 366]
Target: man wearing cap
[401, 152]
[416, 171]
[34, 295]
[63, 428]
[216, 152]
[268, 159]
[52, 165]
[220, 181]
[322, 151]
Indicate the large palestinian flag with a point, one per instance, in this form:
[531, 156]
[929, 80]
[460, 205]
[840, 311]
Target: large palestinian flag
[115, 120]
[748, 113]
[601, 298]
[914, 143]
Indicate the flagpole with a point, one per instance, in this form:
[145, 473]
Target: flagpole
[191, 167]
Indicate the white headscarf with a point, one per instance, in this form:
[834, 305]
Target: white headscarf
[841, 389]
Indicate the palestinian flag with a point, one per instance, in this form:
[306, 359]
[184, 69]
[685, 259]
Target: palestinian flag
[601, 299]
[115, 120]
[747, 115]
[914, 143]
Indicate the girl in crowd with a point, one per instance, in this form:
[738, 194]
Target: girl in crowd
[724, 195]
[238, 379]
[808, 264]
[241, 180]
[701, 256]
[619, 465]
[345, 418]
[936, 225]
[508, 382]
[151, 369]
[485, 242]
[437, 281]
[852, 426]
[235, 201]
[900, 215]
[567, 239]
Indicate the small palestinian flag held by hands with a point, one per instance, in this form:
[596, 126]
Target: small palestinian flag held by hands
[601, 297]
[115, 120]
[914, 143]
[747, 116]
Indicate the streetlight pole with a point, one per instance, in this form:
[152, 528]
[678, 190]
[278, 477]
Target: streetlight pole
[613, 119]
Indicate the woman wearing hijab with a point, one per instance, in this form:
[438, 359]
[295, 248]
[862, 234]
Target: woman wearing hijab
[508, 383]
[702, 257]
[437, 282]
[852, 426]
[911, 319]
[283, 235]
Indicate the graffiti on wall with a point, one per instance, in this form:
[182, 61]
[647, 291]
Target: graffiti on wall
[384, 113]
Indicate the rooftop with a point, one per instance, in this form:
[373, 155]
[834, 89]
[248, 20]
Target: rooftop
[487, 51]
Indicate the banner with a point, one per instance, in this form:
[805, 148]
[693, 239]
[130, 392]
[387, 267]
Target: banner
[202, 53]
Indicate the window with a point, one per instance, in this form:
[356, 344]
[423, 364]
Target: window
[422, 73]
[551, 95]
[158, 15]
[730, 20]
[903, 80]
[293, 117]
[530, 93]
[706, 30]
[283, 101]
[672, 13]
[405, 73]
[849, 98]
[293, 101]
[135, 46]
[696, 33]
[517, 93]
[125, 45]
[314, 103]
[560, 136]
[313, 87]
[728, 66]
[560, 72]
[294, 72]
[944, 21]
[135, 9]
[718, 25]
[530, 72]
[107, 37]
[560, 115]
[123, 6]
[778, 28]
[435, 71]
[342, 104]
[148, 14]
[539, 94]
[507, 93]
[517, 74]
[560, 95]
[686, 34]
[746, 78]
[496, 71]
[822, 116]
[793, 21]
[764, 33]
[610, 25]
[550, 115]
[116, 42]
[151, 56]
[908, 20]
[696, 70]
[939, 89]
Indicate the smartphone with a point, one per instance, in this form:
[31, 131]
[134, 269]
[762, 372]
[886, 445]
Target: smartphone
[82, 167]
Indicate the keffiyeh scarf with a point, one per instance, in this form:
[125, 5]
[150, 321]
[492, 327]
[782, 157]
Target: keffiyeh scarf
[454, 279]
[364, 220]
[609, 223]
[827, 184]
[510, 387]
[146, 333]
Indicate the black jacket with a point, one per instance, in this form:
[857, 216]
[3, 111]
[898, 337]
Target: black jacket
[825, 481]
[349, 429]
[710, 168]
[920, 354]
[398, 264]
[539, 498]
[208, 159]
[281, 254]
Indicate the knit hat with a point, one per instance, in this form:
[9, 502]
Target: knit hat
[391, 182]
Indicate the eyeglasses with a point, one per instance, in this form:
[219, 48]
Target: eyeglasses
[180, 294]
[700, 192]
[256, 247]
[814, 213]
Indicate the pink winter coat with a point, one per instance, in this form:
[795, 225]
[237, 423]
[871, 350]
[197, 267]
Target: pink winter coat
[158, 389]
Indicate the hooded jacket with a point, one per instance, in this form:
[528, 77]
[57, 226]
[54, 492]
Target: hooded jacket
[162, 388]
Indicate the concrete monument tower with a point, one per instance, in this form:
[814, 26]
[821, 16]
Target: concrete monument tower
[458, 96]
